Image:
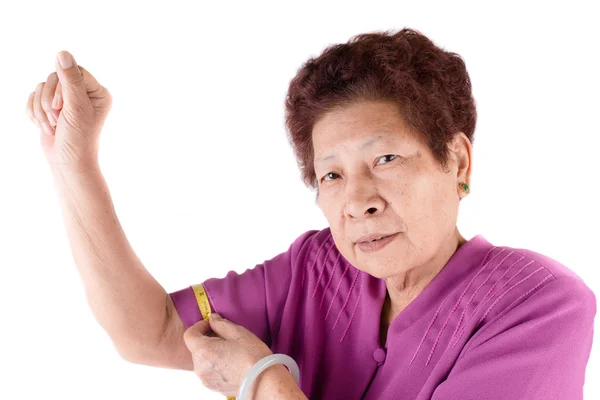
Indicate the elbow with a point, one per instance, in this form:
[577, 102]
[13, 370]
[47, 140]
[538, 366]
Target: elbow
[129, 353]
[154, 356]
[136, 353]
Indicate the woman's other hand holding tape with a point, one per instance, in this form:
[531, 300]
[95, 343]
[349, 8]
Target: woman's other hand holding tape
[222, 361]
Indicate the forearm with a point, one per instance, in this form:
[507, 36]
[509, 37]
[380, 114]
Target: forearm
[276, 382]
[125, 299]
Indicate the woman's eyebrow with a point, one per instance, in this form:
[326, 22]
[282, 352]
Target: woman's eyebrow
[365, 144]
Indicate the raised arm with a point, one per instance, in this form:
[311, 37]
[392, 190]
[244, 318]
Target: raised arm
[70, 108]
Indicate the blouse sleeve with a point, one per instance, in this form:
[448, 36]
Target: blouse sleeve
[253, 299]
[536, 351]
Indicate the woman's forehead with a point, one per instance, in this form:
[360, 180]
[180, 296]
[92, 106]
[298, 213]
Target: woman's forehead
[362, 122]
[382, 113]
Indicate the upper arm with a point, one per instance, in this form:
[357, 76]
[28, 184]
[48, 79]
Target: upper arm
[169, 351]
[537, 351]
[172, 351]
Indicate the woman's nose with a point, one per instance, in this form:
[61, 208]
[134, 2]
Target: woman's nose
[363, 200]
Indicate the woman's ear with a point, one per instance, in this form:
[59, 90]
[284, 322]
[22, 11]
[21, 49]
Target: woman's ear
[461, 152]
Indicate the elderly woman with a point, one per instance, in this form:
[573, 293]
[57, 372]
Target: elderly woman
[388, 302]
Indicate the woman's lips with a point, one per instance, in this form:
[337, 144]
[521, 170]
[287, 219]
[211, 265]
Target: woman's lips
[368, 247]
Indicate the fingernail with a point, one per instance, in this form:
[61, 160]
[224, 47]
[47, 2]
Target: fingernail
[65, 60]
[216, 316]
[47, 128]
[55, 102]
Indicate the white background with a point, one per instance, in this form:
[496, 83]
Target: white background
[196, 156]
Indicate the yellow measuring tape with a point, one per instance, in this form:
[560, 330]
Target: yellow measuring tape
[204, 305]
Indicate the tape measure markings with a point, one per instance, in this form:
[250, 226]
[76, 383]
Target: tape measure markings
[204, 306]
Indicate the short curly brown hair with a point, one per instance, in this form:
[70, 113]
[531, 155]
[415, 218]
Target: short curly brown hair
[430, 85]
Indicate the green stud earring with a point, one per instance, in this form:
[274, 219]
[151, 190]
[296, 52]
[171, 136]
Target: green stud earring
[464, 187]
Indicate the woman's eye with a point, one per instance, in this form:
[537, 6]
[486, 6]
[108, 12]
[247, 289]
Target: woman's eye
[333, 173]
[388, 155]
[328, 174]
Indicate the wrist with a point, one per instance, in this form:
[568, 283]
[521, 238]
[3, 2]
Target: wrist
[76, 174]
[276, 382]
[75, 170]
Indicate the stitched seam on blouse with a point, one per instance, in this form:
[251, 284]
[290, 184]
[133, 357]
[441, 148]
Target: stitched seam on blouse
[458, 303]
[336, 290]
[457, 332]
[484, 264]
[316, 258]
[513, 286]
[490, 299]
[330, 280]
[347, 299]
[428, 328]
[537, 262]
[479, 288]
[322, 270]
[353, 311]
[508, 309]
[310, 247]
[482, 303]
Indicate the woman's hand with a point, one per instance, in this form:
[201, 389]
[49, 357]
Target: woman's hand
[70, 108]
[222, 362]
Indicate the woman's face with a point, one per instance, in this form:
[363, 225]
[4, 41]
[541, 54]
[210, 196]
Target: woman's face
[377, 164]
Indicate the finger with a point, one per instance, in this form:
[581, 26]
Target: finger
[29, 109]
[57, 103]
[194, 335]
[48, 95]
[76, 82]
[38, 111]
[225, 328]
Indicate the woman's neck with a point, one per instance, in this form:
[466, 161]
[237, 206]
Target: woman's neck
[403, 288]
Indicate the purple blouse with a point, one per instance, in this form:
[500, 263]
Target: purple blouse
[495, 323]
